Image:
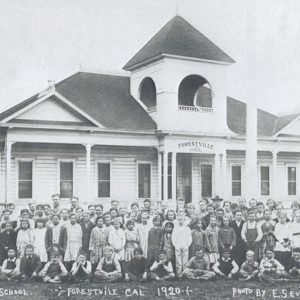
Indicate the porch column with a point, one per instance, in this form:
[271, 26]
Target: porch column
[165, 160]
[88, 172]
[159, 166]
[8, 196]
[174, 173]
[222, 178]
[274, 177]
[216, 181]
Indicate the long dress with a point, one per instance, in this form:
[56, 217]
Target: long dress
[143, 231]
[24, 238]
[98, 241]
[39, 243]
[199, 241]
[117, 239]
[73, 241]
[132, 242]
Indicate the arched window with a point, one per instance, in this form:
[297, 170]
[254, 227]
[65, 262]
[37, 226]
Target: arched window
[148, 92]
[194, 90]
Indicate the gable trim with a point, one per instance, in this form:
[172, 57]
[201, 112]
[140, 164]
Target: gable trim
[288, 125]
[45, 97]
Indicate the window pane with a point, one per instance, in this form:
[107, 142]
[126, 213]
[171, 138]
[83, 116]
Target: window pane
[265, 188]
[206, 180]
[236, 189]
[236, 173]
[25, 189]
[66, 171]
[104, 171]
[292, 188]
[144, 181]
[66, 189]
[264, 173]
[103, 189]
[25, 170]
[291, 173]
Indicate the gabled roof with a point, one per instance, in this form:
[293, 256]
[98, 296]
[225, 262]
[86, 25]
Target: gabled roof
[237, 114]
[180, 38]
[105, 98]
[283, 121]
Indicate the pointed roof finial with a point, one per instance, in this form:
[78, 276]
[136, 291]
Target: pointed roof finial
[177, 4]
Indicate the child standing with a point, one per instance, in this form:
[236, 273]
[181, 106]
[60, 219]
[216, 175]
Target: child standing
[117, 239]
[24, 237]
[252, 234]
[72, 240]
[167, 244]
[132, 240]
[198, 267]
[154, 240]
[182, 239]
[212, 231]
[226, 235]
[39, 235]
[98, 242]
[199, 238]
[249, 268]
[11, 266]
[7, 240]
[225, 266]
[162, 268]
[108, 269]
[143, 230]
[54, 271]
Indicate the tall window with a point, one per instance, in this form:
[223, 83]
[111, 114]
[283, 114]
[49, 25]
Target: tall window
[236, 180]
[25, 180]
[206, 180]
[103, 180]
[264, 181]
[292, 181]
[66, 179]
[170, 175]
[144, 180]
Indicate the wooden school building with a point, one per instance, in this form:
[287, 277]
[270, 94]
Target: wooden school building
[168, 130]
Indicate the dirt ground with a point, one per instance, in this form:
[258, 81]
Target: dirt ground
[177, 289]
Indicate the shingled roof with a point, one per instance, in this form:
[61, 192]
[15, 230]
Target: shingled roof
[106, 98]
[178, 37]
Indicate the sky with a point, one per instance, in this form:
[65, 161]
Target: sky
[43, 40]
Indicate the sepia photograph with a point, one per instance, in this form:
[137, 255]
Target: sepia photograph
[149, 149]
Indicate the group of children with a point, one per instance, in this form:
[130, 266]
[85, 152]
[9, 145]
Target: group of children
[230, 240]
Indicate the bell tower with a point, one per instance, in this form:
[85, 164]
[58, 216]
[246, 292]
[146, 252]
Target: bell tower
[179, 77]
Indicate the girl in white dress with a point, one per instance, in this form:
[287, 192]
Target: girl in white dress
[24, 237]
[39, 234]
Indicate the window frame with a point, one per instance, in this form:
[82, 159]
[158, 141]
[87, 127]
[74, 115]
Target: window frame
[287, 179]
[104, 161]
[63, 160]
[137, 178]
[270, 179]
[18, 160]
[212, 178]
[231, 181]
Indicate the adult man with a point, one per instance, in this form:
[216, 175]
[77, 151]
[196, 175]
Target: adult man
[56, 203]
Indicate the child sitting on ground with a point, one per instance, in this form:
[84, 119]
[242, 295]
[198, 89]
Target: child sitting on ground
[249, 268]
[225, 266]
[294, 270]
[30, 264]
[54, 270]
[271, 269]
[198, 267]
[81, 269]
[136, 268]
[108, 269]
[11, 266]
[162, 268]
